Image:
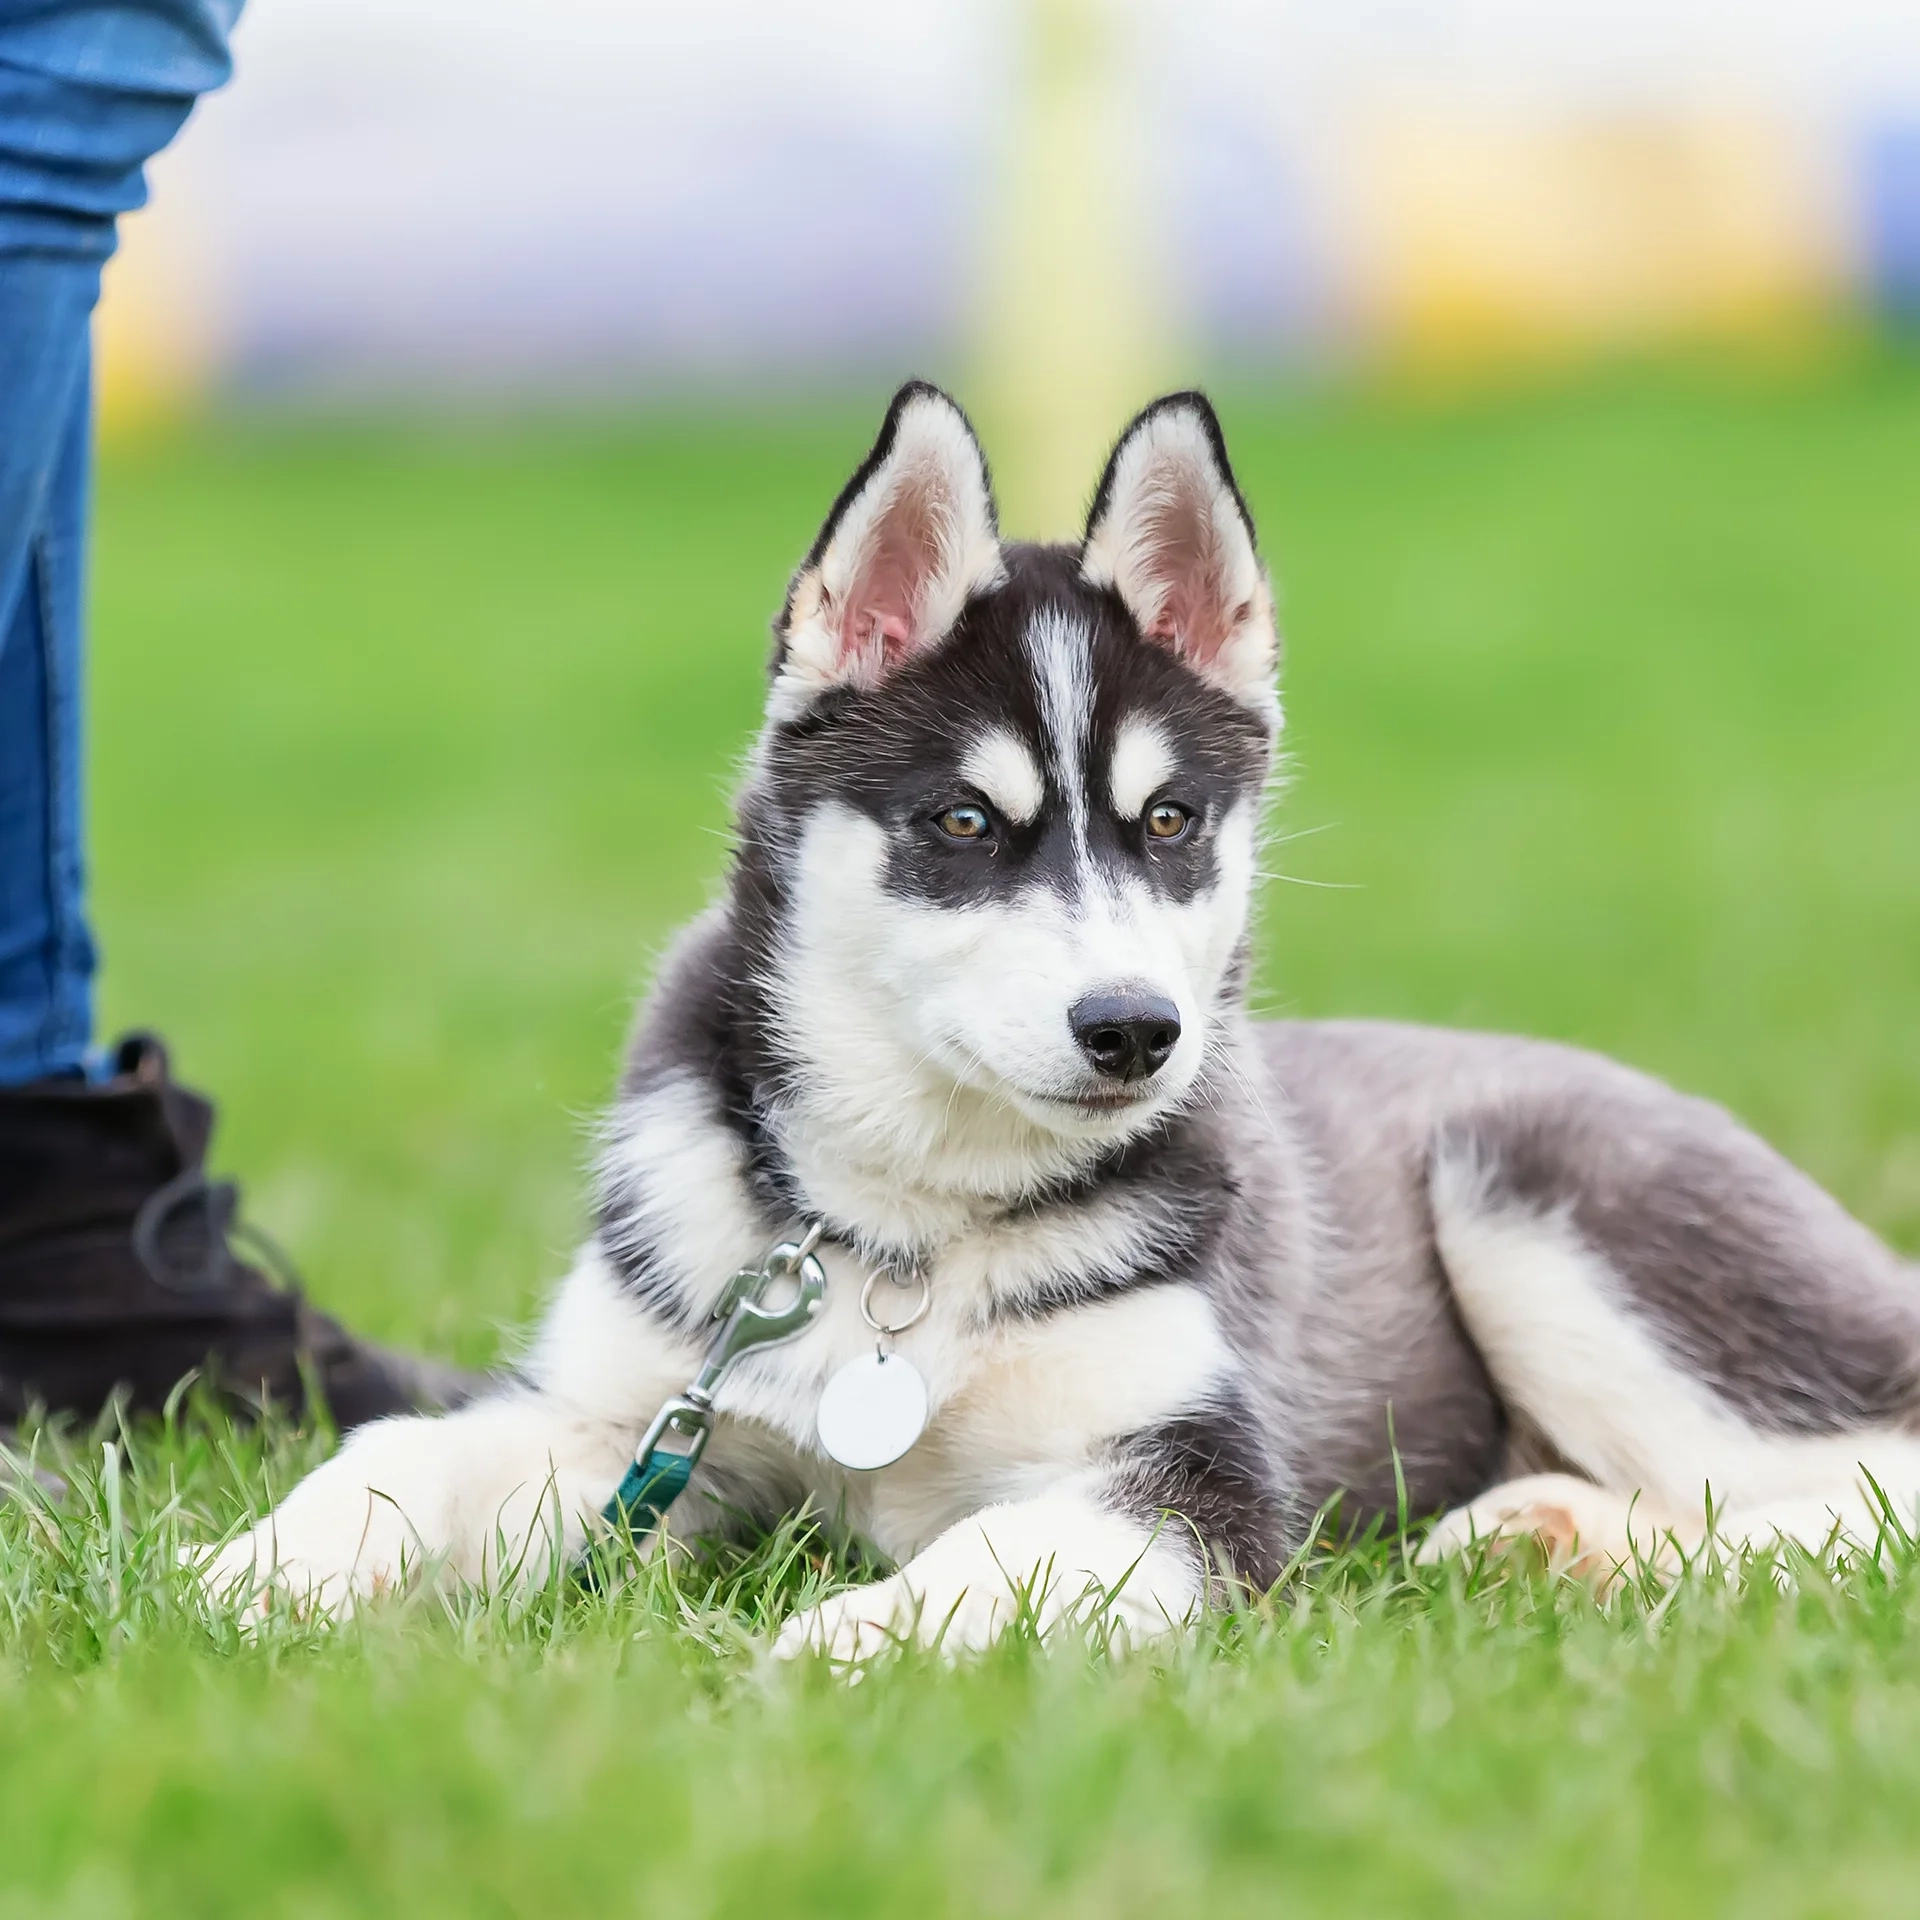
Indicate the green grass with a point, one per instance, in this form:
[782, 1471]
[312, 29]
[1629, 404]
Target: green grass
[412, 745]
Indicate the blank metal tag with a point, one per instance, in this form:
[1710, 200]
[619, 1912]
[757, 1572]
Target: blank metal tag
[872, 1411]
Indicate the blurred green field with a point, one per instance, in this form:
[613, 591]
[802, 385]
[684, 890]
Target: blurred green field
[413, 744]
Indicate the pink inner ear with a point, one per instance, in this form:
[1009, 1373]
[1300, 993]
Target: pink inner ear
[1188, 571]
[883, 605]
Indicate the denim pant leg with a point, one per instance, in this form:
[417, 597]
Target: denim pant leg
[46, 953]
[90, 90]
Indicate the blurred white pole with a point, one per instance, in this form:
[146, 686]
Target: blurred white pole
[1076, 324]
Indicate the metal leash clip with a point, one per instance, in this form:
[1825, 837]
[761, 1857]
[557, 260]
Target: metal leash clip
[671, 1447]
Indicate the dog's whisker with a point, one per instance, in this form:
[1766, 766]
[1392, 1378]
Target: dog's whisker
[1299, 880]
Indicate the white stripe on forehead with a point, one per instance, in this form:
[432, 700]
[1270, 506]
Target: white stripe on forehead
[1061, 650]
[1142, 763]
[1000, 764]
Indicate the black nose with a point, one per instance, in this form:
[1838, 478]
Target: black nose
[1127, 1036]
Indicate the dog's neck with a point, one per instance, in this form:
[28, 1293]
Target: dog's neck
[917, 1165]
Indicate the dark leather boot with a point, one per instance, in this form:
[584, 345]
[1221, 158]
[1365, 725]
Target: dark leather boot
[121, 1265]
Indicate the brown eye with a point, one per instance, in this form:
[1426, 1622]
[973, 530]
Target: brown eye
[964, 823]
[1168, 822]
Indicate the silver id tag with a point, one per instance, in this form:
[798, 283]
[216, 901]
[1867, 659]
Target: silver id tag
[872, 1411]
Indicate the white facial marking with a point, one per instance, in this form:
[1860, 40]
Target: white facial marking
[1000, 766]
[1061, 650]
[918, 1089]
[906, 1100]
[1142, 761]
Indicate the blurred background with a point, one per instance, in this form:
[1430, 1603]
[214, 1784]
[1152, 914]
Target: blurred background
[481, 366]
[460, 199]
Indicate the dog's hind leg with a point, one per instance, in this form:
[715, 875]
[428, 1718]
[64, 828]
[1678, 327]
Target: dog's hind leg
[1692, 1325]
[1590, 1531]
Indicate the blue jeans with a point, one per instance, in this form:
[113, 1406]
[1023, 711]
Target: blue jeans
[90, 90]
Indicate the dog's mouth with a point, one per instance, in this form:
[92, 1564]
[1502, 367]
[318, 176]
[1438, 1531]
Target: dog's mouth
[1078, 1108]
[1098, 1100]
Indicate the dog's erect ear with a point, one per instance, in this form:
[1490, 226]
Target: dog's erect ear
[912, 535]
[1169, 533]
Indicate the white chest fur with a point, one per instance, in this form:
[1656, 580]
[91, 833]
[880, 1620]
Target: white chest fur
[1013, 1397]
[1011, 1404]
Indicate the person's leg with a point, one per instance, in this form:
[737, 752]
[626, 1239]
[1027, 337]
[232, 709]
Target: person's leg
[46, 954]
[89, 92]
[118, 1268]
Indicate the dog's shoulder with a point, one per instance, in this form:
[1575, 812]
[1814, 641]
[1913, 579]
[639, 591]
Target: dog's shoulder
[683, 1023]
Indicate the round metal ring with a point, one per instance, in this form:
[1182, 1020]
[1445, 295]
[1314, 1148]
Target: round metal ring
[913, 1319]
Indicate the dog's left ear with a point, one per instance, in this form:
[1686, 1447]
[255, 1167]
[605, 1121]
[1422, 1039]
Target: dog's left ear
[912, 536]
[1169, 532]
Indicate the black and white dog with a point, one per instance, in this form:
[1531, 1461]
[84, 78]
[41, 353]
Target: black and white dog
[972, 1003]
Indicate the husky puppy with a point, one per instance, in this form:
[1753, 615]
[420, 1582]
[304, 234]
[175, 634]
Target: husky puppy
[972, 1002]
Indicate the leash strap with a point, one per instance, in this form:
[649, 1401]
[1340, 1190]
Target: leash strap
[649, 1489]
[670, 1449]
[659, 1472]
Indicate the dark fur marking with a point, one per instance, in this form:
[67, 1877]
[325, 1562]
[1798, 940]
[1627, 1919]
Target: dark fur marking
[894, 752]
[1210, 1472]
[1159, 1259]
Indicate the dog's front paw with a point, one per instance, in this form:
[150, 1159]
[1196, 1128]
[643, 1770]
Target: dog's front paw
[1051, 1564]
[855, 1625]
[310, 1577]
[335, 1543]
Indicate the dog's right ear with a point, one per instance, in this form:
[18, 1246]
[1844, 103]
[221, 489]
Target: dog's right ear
[912, 536]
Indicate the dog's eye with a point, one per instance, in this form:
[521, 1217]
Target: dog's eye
[964, 823]
[1165, 821]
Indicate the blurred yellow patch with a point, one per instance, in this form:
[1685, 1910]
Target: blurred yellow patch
[154, 340]
[1498, 238]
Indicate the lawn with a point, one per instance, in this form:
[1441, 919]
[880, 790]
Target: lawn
[412, 746]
